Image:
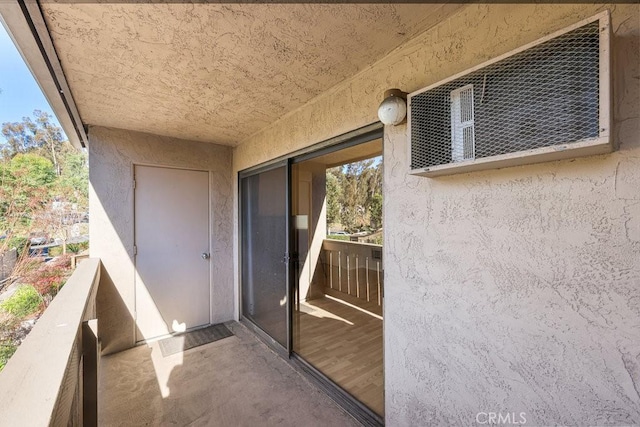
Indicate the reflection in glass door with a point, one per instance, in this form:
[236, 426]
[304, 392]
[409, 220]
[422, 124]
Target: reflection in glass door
[264, 245]
[312, 269]
[336, 207]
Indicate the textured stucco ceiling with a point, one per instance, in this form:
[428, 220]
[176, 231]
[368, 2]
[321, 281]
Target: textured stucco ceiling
[213, 72]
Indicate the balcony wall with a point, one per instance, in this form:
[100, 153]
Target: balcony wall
[112, 156]
[510, 290]
[52, 377]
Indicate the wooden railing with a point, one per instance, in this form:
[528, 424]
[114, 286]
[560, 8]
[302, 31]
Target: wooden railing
[354, 269]
[52, 378]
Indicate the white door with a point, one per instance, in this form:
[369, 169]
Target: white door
[172, 280]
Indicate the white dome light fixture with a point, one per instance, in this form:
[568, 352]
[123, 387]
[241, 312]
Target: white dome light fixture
[393, 109]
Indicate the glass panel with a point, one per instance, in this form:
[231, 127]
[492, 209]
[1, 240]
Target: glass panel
[264, 244]
[337, 224]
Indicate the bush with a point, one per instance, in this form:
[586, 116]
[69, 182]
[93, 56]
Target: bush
[63, 261]
[49, 281]
[77, 247]
[55, 251]
[20, 243]
[26, 265]
[25, 301]
[377, 240]
[6, 351]
[50, 277]
[338, 237]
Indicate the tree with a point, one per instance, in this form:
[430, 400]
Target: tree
[18, 139]
[35, 170]
[69, 198]
[74, 179]
[373, 183]
[38, 136]
[43, 180]
[25, 184]
[334, 195]
[375, 211]
[51, 137]
[354, 195]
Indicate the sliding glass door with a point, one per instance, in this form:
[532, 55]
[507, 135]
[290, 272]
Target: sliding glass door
[312, 269]
[338, 284]
[264, 217]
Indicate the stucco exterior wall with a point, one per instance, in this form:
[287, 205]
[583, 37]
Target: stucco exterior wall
[513, 290]
[112, 155]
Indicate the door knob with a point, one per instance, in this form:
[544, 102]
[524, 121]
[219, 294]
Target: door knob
[205, 255]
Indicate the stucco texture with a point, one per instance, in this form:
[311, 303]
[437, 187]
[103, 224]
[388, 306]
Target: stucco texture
[218, 72]
[112, 156]
[518, 290]
[506, 291]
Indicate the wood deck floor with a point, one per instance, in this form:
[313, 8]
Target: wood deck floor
[345, 343]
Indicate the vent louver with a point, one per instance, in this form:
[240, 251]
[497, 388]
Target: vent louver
[462, 124]
[545, 101]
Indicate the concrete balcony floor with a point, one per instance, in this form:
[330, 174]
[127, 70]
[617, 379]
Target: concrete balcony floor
[235, 381]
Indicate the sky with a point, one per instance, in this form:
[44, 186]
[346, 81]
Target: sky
[20, 93]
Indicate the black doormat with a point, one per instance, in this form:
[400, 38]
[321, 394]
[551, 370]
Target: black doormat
[182, 342]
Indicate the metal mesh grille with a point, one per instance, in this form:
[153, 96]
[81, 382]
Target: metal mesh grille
[544, 96]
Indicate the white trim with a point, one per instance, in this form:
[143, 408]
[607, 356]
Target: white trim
[588, 147]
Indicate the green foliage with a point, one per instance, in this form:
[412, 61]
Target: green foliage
[334, 195]
[25, 301]
[338, 237]
[10, 332]
[375, 211]
[20, 243]
[37, 136]
[354, 195]
[49, 281]
[376, 240]
[9, 337]
[18, 139]
[25, 182]
[55, 251]
[6, 351]
[75, 177]
[32, 169]
[50, 276]
[38, 166]
[77, 247]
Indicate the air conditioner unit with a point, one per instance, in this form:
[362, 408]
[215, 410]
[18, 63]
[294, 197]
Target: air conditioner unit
[547, 100]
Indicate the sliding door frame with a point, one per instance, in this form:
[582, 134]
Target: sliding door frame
[274, 344]
[367, 133]
[345, 399]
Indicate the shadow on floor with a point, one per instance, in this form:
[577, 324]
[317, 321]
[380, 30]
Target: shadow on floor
[345, 344]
